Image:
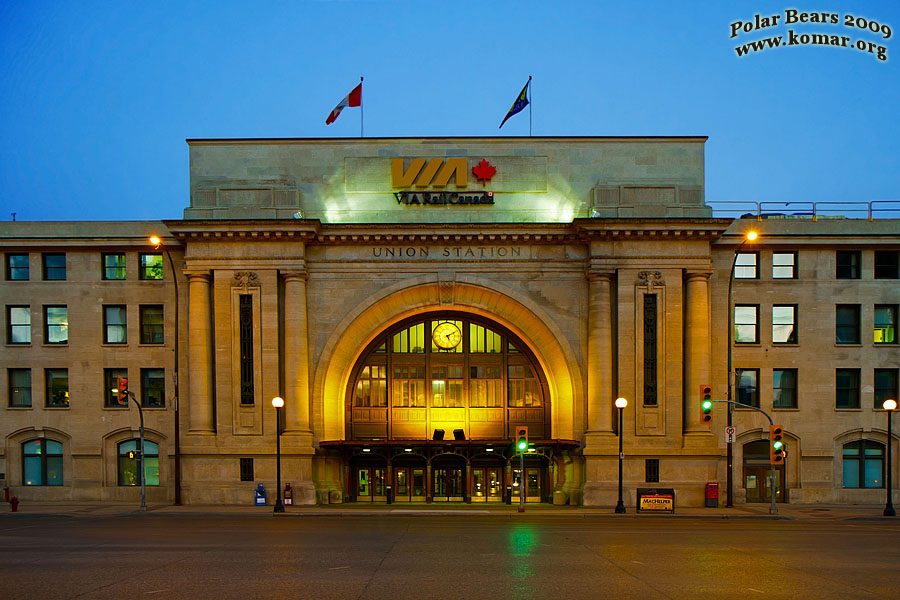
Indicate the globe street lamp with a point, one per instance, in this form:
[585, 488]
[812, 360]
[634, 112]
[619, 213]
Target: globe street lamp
[621, 403]
[278, 403]
[729, 500]
[889, 406]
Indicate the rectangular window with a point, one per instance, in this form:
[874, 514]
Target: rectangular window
[111, 388]
[151, 316]
[151, 266]
[153, 388]
[57, 381]
[447, 386]
[746, 323]
[846, 388]
[246, 469]
[650, 325]
[54, 267]
[847, 264]
[482, 339]
[886, 386]
[113, 266]
[56, 325]
[245, 318]
[651, 470]
[19, 388]
[371, 387]
[784, 265]
[784, 324]
[745, 266]
[524, 387]
[784, 388]
[486, 387]
[17, 267]
[408, 386]
[747, 386]
[885, 323]
[18, 324]
[846, 330]
[115, 329]
[886, 264]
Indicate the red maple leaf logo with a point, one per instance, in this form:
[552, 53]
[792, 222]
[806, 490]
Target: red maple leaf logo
[483, 171]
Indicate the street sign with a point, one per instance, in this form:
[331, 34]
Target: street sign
[729, 431]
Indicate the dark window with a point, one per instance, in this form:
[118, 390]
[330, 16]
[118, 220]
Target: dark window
[113, 266]
[847, 324]
[847, 264]
[128, 467]
[885, 323]
[18, 324]
[863, 464]
[56, 325]
[886, 264]
[246, 469]
[886, 386]
[846, 388]
[784, 324]
[111, 388]
[17, 267]
[151, 266]
[746, 323]
[245, 307]
[19, 388]
[784, 388]
[746, 265]
[54, 267]
[42, 463]
[153, 388]
[115, 328]
[57, 381]
[747, 386]
[784, 265]
[651, 469]
[152, 331]
[650, 325]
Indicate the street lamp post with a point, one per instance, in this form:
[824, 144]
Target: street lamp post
[278, 403]
[889, 406]
[729, 499]
[621, 403]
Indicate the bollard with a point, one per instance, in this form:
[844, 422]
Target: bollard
[14, 502]
[6, 494]
[388, 494]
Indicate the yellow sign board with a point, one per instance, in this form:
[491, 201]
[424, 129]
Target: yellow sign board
[434, 172]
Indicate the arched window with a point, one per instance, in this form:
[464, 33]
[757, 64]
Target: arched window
[128, 467]
[42, 463]
[863, 464]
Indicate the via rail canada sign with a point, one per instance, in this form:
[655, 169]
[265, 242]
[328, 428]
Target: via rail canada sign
[428, 179]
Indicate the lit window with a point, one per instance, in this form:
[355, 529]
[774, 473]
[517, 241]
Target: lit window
[408, 386]
[113, 266]
[128, 467]
[885, 323]
[153, 388]
[846, 388]
[484, 340]
[486, 387]
[115, 330]
[747, 386]
[57, 381]
[524, 387]
[42, 463]
[54, 267]
[17, 267]
[411, 339]
[447, 386]
[19, 388]
[151, 266]
[847, 324]
[152, 329]
[784, 265]
[885, 386]
[745, 266]
[746, 324]
[784, 324]
[18, 329]
[56, 325]
[784, 388]
[371, 387]
[863, 464]
[847, 264]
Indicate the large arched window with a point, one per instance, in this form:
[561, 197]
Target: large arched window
[42, 462]
[863, 464]
[128, 467]
[451, 372]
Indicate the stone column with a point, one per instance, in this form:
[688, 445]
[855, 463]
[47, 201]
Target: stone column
[200, 354]
[296, 353]
[600, 352]
[696, 347]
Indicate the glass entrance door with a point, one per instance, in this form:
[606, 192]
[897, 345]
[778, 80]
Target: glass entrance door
[370, 484]
[757, 482]
[532, 484]
[448, 484]
[486, 485]
[409, 484]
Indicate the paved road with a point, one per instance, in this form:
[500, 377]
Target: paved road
[445, 557]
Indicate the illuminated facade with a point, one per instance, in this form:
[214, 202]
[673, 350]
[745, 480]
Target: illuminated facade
[415, 300]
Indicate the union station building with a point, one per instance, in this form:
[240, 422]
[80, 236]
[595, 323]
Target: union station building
[415, 301]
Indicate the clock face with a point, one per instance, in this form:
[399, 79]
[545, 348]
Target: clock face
[446, 336]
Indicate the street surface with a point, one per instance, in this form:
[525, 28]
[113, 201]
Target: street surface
[460, 557]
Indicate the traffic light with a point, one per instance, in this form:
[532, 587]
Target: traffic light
[122, 390]
[776, 445]
[706, 404]
[522, 438]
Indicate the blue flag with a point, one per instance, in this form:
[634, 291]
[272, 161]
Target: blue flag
[520, 103]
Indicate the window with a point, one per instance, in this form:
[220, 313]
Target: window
[409, 386]
[245, 320]
[57, 381]
[886, 264]
[152, 324]
[18, 324]
[151, 266]
[847, 324]
[886, 386]
[42, 463]
[113, 266]
[863, 464]
[746, 323]
[447, 386]
[111, 388]
[524, 387]
[371, 387]
[650, 327]
[784, 324]
[411, 339]
[745, 265]
[846, 388]
[482, 339]
[651, 470]
[486, 387]
[56, 325]
[19, 388]
[784, 265]
[153, 388]
[847, 264]
[885, 323]
[128, 467]
[115, 329]
[246, 469]
[784, 388]
[747, 386]
[54, 267]
[17, 267]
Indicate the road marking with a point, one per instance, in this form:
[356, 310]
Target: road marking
[757, 591]
[157, 591]
[338, 568]
[637, 562]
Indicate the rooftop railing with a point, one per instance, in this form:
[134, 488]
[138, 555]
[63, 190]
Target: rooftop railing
[814, 211]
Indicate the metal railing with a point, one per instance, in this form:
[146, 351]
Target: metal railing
[875, 209]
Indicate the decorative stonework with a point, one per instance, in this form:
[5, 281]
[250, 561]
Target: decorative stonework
[446, 288]
[245, 279]
[650, 279]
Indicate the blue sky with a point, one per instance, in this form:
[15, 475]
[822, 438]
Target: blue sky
[97, 98]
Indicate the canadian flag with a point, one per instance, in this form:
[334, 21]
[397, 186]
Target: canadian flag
[354, 98]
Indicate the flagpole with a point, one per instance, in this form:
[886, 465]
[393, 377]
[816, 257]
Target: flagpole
[360, 108]
[530, 104]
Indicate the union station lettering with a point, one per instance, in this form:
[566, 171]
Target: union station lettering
[447, 252]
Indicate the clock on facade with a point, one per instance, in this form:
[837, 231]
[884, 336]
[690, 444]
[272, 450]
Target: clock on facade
[446, 336]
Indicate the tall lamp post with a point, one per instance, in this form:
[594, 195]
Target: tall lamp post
[621, 403]
[890, 406]
[729, 500]
[278, 403]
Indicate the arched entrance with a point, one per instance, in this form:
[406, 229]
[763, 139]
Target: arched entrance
[758, 473]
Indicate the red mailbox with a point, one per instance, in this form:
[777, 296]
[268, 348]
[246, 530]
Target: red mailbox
[712, 494]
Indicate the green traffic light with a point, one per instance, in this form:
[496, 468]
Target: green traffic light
[523, 444]
[777, 445]
[707, 404]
